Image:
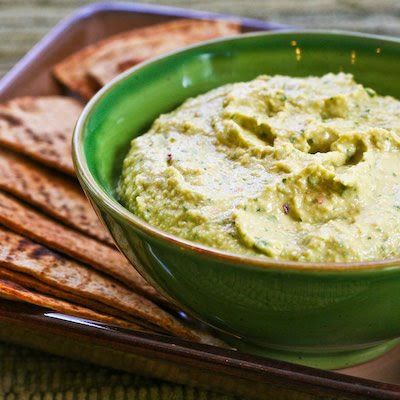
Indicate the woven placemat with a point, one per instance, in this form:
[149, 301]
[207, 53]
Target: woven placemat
[30, 374]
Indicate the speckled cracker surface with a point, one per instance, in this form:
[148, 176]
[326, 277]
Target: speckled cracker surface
[41, 128]
[87, 70]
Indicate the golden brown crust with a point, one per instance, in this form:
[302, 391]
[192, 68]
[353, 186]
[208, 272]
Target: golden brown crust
[53, 193]
[41, 128]
[87, 70]
[14, 291]
[30, 223]
[22, 255]
[30, 283]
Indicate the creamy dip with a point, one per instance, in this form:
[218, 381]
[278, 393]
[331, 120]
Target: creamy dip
[304, 169]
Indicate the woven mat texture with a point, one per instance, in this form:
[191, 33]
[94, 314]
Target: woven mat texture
[28, 374]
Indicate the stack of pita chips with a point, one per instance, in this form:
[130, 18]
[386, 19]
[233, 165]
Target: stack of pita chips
[91, 68]
[54, 252]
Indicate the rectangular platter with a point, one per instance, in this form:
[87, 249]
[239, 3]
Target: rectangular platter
[149, 354]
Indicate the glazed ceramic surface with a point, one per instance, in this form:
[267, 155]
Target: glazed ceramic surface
[322, 315]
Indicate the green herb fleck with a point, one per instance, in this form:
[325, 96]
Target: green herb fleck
[312, 180]
[371, 92]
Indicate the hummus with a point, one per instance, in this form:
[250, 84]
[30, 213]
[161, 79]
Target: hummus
[304, 169]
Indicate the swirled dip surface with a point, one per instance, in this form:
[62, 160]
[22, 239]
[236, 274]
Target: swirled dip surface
[303, 169]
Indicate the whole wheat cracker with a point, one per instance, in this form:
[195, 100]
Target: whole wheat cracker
[31, 283]
[54, 194]
[13, 291]
[127, 53]
[23, 255]
[28, 222]
[41, 128]
[75, 71]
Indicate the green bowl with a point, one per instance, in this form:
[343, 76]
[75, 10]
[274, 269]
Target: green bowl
[324, 315]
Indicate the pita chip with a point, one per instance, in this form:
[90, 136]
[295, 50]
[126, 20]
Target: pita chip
[89, 69]
[22, 255]
[13, 291]
[31, 283]
[125, 54]
[52, 193]
[30, 223]
[41, 128]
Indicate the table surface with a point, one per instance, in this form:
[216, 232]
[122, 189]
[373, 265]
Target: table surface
[28, 373]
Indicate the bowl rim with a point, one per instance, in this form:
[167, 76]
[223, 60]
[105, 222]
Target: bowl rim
[90, 185]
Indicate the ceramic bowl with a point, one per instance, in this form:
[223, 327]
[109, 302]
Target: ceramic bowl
[325, 315]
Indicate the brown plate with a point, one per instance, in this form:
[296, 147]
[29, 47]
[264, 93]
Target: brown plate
[155, 355]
